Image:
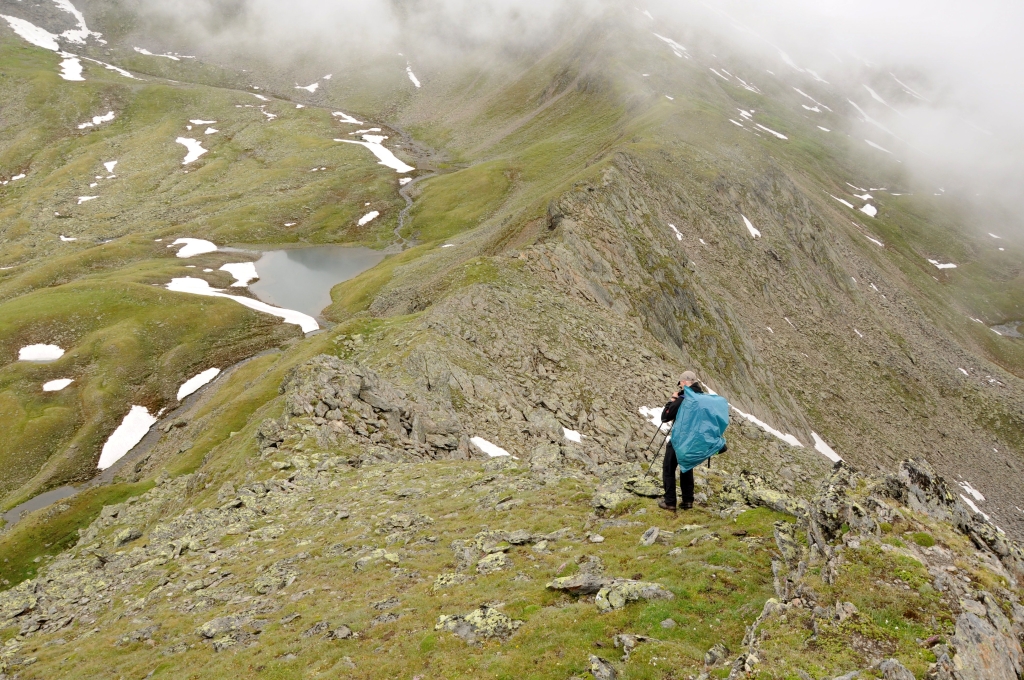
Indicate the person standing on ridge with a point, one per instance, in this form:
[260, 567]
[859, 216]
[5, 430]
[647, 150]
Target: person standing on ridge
[671, 462]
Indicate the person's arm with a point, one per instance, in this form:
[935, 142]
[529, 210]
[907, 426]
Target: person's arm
[668, 414]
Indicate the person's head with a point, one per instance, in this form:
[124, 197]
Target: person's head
[687, 379]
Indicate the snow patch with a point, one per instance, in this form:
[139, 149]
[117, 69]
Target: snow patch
[875, 241]
[32, 34]
[196, 286]
[71, 69]
[308, 88]
[40, 353]
[770, 131]
[846, 203]
[963, 371]
[85, 199]
[973, 507]
[97, 120]
[994, 236]
[194, 383]
[412, 76]
[652, 414]
[405, 180]
[788, 438]
[492, 450]
[572, 435]
[211, 131]
[384, 155]
[824, 128]
[244, 273]
[679, 237]
[110, 167]
[129, 433]
[368, 217]
[754, 233]
[67, 239]
[200, 121]
[677, 49]
[345, 118]
[869, 210]
[193, 246]
[195, 149]
[943, 266]
[876, 146]
[57, 385]
[824, 449]
[971, 490]
[142, 50]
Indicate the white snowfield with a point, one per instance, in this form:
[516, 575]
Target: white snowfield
[32, 34]
[194, 383]
[200, 121]
[196, 286]
[40, 353]
[788, 438]
[129, 433]
[193, 246]
[754, 233]
[111, 67]
[869, 210]
[86, 199]
[384, 155]
[492, 450]
[75, 35]
[110, 167]
[308, 88]
[973, 507]
[67, 239]
[244, 273]
[938, 264]
[677, 49]
[368, 217]
[844, 202]
[57, 385]
[195, 149]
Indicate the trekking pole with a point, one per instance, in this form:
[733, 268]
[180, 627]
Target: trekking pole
[655, 459]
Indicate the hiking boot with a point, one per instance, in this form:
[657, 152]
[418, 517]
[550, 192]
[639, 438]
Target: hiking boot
[665, 506]
[686, 506]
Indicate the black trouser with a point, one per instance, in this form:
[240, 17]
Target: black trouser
[668, 477]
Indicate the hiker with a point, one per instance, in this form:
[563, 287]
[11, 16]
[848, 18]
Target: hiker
[668, 470]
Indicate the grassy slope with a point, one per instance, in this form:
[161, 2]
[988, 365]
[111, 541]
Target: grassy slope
[127, 342]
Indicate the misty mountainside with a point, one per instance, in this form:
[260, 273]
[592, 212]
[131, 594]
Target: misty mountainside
[563, 226]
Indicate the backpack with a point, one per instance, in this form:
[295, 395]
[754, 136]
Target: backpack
[699, 428]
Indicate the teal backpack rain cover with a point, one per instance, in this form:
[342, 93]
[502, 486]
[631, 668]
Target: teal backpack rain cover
[700, 424]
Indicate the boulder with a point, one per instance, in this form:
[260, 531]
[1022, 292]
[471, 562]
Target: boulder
[644, 486]
[601, 669]
[483, 623]
[982, 652]
[619, 593]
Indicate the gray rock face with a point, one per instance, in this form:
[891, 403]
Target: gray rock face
[982, 652]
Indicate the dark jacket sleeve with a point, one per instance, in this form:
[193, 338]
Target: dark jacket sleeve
[668, 414]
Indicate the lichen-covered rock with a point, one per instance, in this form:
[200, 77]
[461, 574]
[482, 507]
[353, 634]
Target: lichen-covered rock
[608, 500]
[494, 562]
[618, 594]
[483, 623]
[785, 539]
[449, 579]
[126, 536]
[716, 655]
[644, 486]
[754, 490]
[601, 669]
[582, 583]
[221, 625]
